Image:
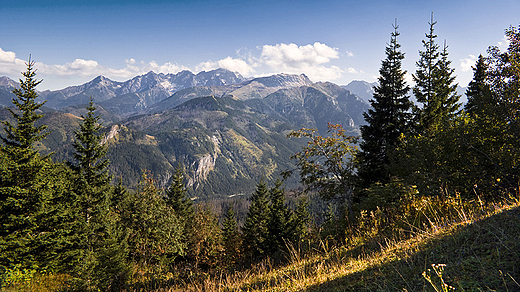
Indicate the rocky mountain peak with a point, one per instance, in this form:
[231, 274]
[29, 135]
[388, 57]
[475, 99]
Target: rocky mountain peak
[8, 82]
[284, 80]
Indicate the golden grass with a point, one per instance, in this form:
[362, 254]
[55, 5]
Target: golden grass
[383, 264]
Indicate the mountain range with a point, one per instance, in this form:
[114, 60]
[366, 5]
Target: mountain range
[227, 131]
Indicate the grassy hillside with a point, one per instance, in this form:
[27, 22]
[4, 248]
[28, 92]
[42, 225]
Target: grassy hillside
[476, 248]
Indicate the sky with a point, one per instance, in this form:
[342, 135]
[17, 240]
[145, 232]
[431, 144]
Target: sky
[72, 42]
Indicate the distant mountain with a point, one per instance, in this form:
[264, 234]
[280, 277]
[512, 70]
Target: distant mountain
[6, 87]
[227, 135]
[137, 93]
[363, 89]
[318, 104]
[227, 145]
[225, 141]
[256, 88]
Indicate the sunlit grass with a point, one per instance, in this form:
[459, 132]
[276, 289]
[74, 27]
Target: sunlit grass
[475, 244]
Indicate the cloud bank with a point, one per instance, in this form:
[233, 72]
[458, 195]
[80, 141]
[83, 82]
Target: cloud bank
[308, 59]
[312, 59]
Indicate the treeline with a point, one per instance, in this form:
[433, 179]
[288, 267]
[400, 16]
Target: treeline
[433, 148]
[71, 219]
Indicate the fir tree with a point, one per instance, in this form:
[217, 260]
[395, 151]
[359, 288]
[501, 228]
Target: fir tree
[176, 196]
[231, 237]
[256, 232]
[278, 221]
[155, 238]
[90, 152]
[478, 92]
[388, 118]
[299, 221]
[434, 87]
[100, 235]
[21, 138]
[24, 193]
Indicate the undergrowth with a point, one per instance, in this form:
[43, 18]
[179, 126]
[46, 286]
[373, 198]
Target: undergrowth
[471, 246]
[419, 244]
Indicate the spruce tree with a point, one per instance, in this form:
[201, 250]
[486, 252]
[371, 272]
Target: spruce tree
[299, 221]
[278, 220]
[388, 118]
[434, 87]
[24, 195]
[99, 235]
[90, 153]
[504, 105]
[155, 238]
[176, 196]
[256, 232]
[231, 237]
[479, 92]
[21, 138]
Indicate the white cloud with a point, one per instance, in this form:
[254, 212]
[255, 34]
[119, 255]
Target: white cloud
[235, 65]
[91, 68]
[467, 63]
[308, 59]
[9, 64]
[7, 57]
[314, 60]
[352, 70]
[503, 44]
[408, 77]
[349, 54]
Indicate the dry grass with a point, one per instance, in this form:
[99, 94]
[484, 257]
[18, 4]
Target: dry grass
[477, 243]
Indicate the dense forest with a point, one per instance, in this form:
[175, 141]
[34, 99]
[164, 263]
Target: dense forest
[77, 228]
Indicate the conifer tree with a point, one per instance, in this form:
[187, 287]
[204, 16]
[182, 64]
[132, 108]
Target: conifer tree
[388, 118]
[21, 138]
[256, 232]
[176, 196]
[434, 86]
[90, 152]
[504, 82]
[100, 236]
[299, 221]
[24, 195]
[278, 220]
[479, 92]
[155, 238]
[231, 236]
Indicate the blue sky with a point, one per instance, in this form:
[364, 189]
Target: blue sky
[329, 40]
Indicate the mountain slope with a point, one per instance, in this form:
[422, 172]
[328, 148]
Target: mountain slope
[226, 145]
[142, 91]
[363, 89]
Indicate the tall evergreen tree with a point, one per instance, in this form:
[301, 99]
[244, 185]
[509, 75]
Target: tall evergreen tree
[21, 138]
[256, 232]
[504, 82]
[100, 237]
[479, 92]
[434, 87]
[23, 192]
[279, 218]
[231, 237]
[90, 152]
[155, 238]
[388, 118]
[176, 196]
